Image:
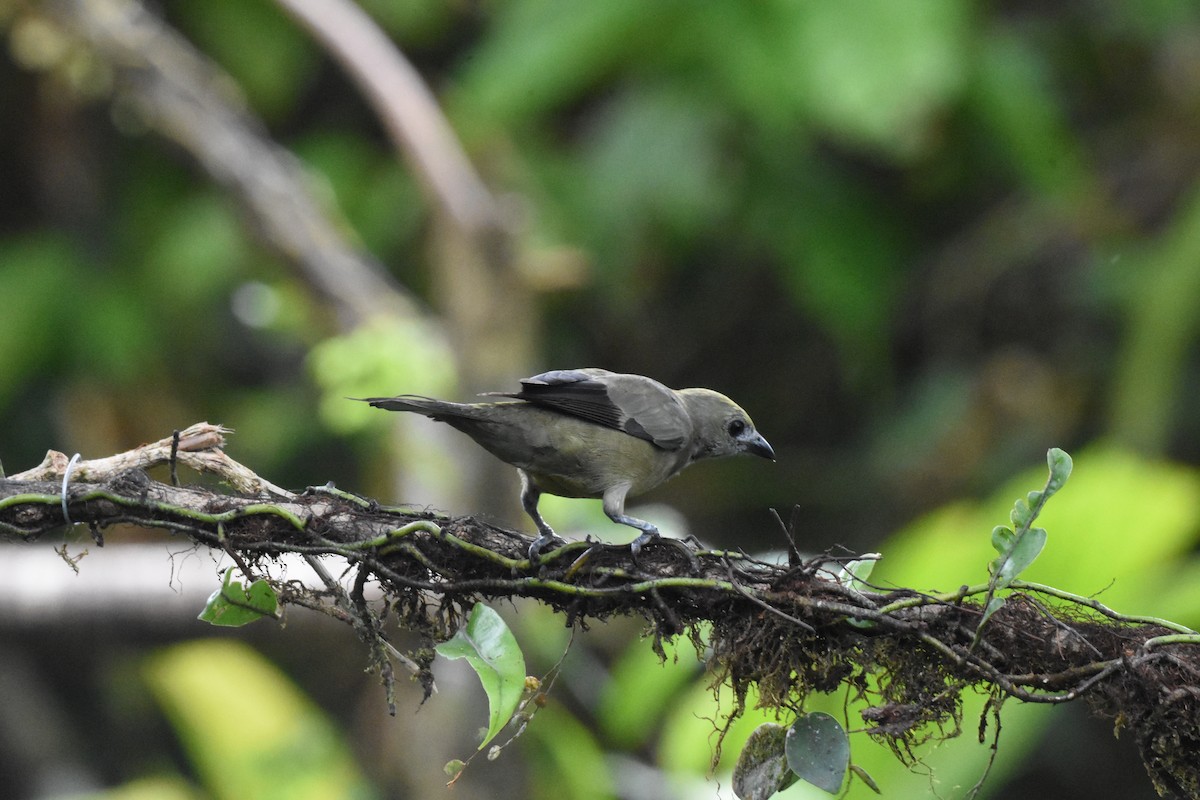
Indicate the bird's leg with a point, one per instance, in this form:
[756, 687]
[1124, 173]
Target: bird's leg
[614, 508]
[529, 501]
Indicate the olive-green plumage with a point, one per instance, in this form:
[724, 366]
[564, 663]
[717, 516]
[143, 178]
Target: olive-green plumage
[595, 433]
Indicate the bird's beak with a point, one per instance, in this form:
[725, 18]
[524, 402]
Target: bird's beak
[757, 445]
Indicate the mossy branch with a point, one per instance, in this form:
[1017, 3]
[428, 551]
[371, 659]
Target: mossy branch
[789, 630]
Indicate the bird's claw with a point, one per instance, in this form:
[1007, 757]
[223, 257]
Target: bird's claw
[540, 543]
[635, 547]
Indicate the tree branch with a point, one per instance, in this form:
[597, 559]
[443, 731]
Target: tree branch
[407, 109]
[181, 94]
[788, 630]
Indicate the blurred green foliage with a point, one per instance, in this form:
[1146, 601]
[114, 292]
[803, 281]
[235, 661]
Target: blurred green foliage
[246, 728]
[920, 241]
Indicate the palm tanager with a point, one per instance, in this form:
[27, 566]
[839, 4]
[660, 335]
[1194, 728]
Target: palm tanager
[595, 433]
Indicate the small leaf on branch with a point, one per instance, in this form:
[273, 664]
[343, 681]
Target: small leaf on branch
[234, 604]
[1018, 553]
[1021, 514]
[1020, 547]
[993, 605]
[492, 651]
[762, 766]
[866, 778]
[818, 750]
[1060, 469]
[858, 570]
[1002, 539]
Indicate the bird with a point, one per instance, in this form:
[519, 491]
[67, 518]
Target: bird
[592, 433]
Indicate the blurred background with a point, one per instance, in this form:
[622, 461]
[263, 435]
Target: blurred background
[920, 242]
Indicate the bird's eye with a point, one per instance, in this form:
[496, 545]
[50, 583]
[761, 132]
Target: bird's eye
[736, 427]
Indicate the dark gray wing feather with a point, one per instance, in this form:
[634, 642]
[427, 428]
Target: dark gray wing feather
[634, 404]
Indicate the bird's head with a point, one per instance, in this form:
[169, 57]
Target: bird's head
[721, 427]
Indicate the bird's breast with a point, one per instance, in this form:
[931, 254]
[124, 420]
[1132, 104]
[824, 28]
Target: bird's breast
[588, 461]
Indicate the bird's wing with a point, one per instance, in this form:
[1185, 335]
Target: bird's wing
[636, 405]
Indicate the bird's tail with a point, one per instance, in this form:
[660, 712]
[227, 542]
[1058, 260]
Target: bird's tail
[434, 409]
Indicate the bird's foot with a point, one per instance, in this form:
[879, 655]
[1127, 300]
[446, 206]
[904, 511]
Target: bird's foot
[547, 539]
[635, 547]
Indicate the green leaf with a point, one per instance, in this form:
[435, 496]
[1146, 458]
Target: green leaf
[762, 766]
[1023, 553]
[1017, 554]
[1021, 548]
[1002, 538]
[818, 750]
[234, 605]
[866, 778]
[860, 568]
[1060, 469]
[1021, 514]
[492, 651]
[856, 571]
[993, 606]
